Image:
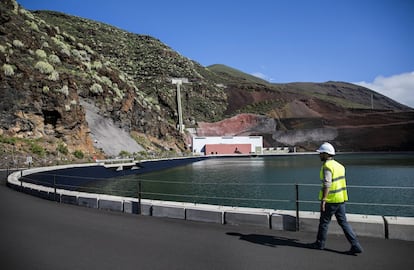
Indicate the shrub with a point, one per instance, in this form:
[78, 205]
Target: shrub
[54, 59]
[8, 70]
[65, 51]
[17, 43]
[54, 76]
[87, 65]
[41, 54]
[96, 65]
[118, 92]
[64, 48]
[33, 25]
[69, 37]
[64, 90]
[2, 49]
[76, 53]
[124, 154]
[88, 49]
[44, 67]
[78, 154]
[61, 148]
[45, 89]
[82, 55]
[96, 88]
[26, 13]
[8, 140]
[15, 7]
[105, 80]
[37, 149]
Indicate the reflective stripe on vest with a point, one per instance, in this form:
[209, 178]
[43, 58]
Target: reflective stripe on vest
[337, 191]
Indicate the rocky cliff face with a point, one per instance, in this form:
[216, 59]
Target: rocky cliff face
[45, 74]
[53, 64]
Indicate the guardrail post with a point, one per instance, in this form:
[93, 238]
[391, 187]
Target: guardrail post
[54, 187]
[139, 196]
[297, 206]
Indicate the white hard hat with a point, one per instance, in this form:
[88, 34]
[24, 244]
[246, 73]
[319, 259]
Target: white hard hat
[326, 148]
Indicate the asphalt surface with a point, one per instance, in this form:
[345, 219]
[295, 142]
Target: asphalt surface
[41, 234]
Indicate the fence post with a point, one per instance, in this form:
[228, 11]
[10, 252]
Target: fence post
[139, 196]
[297, 206]
[54, 187]
[21, 179]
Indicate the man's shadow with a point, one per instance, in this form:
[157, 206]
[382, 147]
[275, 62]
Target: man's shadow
[275, 241]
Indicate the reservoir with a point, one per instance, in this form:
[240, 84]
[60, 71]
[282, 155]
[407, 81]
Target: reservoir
[378, 183]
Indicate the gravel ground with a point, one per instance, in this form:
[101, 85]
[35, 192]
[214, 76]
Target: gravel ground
[107, 135]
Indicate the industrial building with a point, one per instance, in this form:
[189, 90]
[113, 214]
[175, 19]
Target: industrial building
[227, 145]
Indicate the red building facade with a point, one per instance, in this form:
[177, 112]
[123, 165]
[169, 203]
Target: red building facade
[227, 149]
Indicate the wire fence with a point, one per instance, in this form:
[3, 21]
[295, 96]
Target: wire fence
[388, 200]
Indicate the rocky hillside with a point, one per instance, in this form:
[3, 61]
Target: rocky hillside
[65, 80]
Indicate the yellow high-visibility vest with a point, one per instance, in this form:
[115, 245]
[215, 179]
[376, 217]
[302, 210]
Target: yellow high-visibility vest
[337, 191]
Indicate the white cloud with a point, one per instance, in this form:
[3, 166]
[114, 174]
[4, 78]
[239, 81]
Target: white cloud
[259, 75]
[398, 87]
[262, 76]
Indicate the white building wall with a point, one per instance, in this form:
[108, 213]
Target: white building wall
[199, 143]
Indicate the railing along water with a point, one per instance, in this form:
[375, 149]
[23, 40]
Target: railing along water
[140, 188]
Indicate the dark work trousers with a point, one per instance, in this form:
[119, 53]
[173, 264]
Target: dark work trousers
[337, 209]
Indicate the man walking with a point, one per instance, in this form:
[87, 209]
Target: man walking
[333, 196]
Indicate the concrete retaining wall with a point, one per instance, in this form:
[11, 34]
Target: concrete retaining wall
[400, 228]
[364, 225]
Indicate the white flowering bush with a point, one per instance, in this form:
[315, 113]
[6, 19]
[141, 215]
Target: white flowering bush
[105, 80]
[32, 25]
[64, 90]
[88, 49]
[54, 76]
[96, 65]
[54, 59]
[8, 70]
[96, 88]
[17, 43]
[44, 67]
[26, 13]
[41, 54]
[76, 53]
[64, 48]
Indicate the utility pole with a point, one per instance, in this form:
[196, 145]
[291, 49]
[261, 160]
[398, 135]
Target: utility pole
[372, 101]
[179, 82]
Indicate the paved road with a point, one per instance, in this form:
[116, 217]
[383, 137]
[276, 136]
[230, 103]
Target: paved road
[40, 234]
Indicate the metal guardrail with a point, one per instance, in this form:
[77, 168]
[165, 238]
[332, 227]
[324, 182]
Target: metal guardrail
[141, 182]
[76, 184]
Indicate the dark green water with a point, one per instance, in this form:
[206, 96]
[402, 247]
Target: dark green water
[269, 182]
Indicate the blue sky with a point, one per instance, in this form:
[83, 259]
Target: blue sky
[368, 42]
